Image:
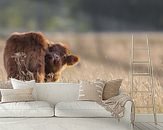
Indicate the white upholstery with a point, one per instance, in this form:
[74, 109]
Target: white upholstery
[67, 93]
[26, 109]
[80, 109]
[55, 123]
[18, 84]
[57, 92]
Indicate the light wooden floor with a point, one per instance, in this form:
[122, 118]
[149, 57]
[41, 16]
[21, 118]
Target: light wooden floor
[148, 126]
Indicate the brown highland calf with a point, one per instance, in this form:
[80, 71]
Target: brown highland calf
[44, 59]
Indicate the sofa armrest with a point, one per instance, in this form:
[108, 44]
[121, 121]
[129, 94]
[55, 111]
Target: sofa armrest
[128, 108]
[127, 118]
[127, 112]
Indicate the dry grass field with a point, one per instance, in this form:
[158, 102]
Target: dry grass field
[107, 56]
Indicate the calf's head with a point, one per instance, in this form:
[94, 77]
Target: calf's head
[56, 59]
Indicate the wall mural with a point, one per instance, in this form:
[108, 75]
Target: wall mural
[74, 40]
[102, 56]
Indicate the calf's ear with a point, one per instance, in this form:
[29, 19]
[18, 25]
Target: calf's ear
[72, 59]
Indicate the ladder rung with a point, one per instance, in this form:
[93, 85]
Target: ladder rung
[140, 48]
[146, 62]
[144, 106]
[140, 62]
[142, 91]
[141, 74]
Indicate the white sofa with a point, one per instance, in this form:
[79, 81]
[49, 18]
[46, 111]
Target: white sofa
[63, 113]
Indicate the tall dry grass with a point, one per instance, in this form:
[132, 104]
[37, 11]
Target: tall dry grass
[107, 56]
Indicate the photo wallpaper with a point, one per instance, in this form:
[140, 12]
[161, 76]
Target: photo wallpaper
[74, 40]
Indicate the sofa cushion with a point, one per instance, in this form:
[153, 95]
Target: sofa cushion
[5, 85]
[16, 95]
[111, 88]
[18, 84]
[26, 109]
[57, 92]
[91, 91]
[80, 109]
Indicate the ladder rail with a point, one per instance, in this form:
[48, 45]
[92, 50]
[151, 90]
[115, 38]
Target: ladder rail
[131, 60]
[150, 73]
[153, 97]
[149, 54]
[152, 84]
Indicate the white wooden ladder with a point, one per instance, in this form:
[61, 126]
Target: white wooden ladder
[149, 73]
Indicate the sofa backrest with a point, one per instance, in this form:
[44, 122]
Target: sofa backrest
[57, 92]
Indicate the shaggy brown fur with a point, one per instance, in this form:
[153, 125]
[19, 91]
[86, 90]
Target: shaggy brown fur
[44, 59]
[56, 59]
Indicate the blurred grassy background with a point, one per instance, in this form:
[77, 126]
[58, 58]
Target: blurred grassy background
[99, 31]
[107, 56]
